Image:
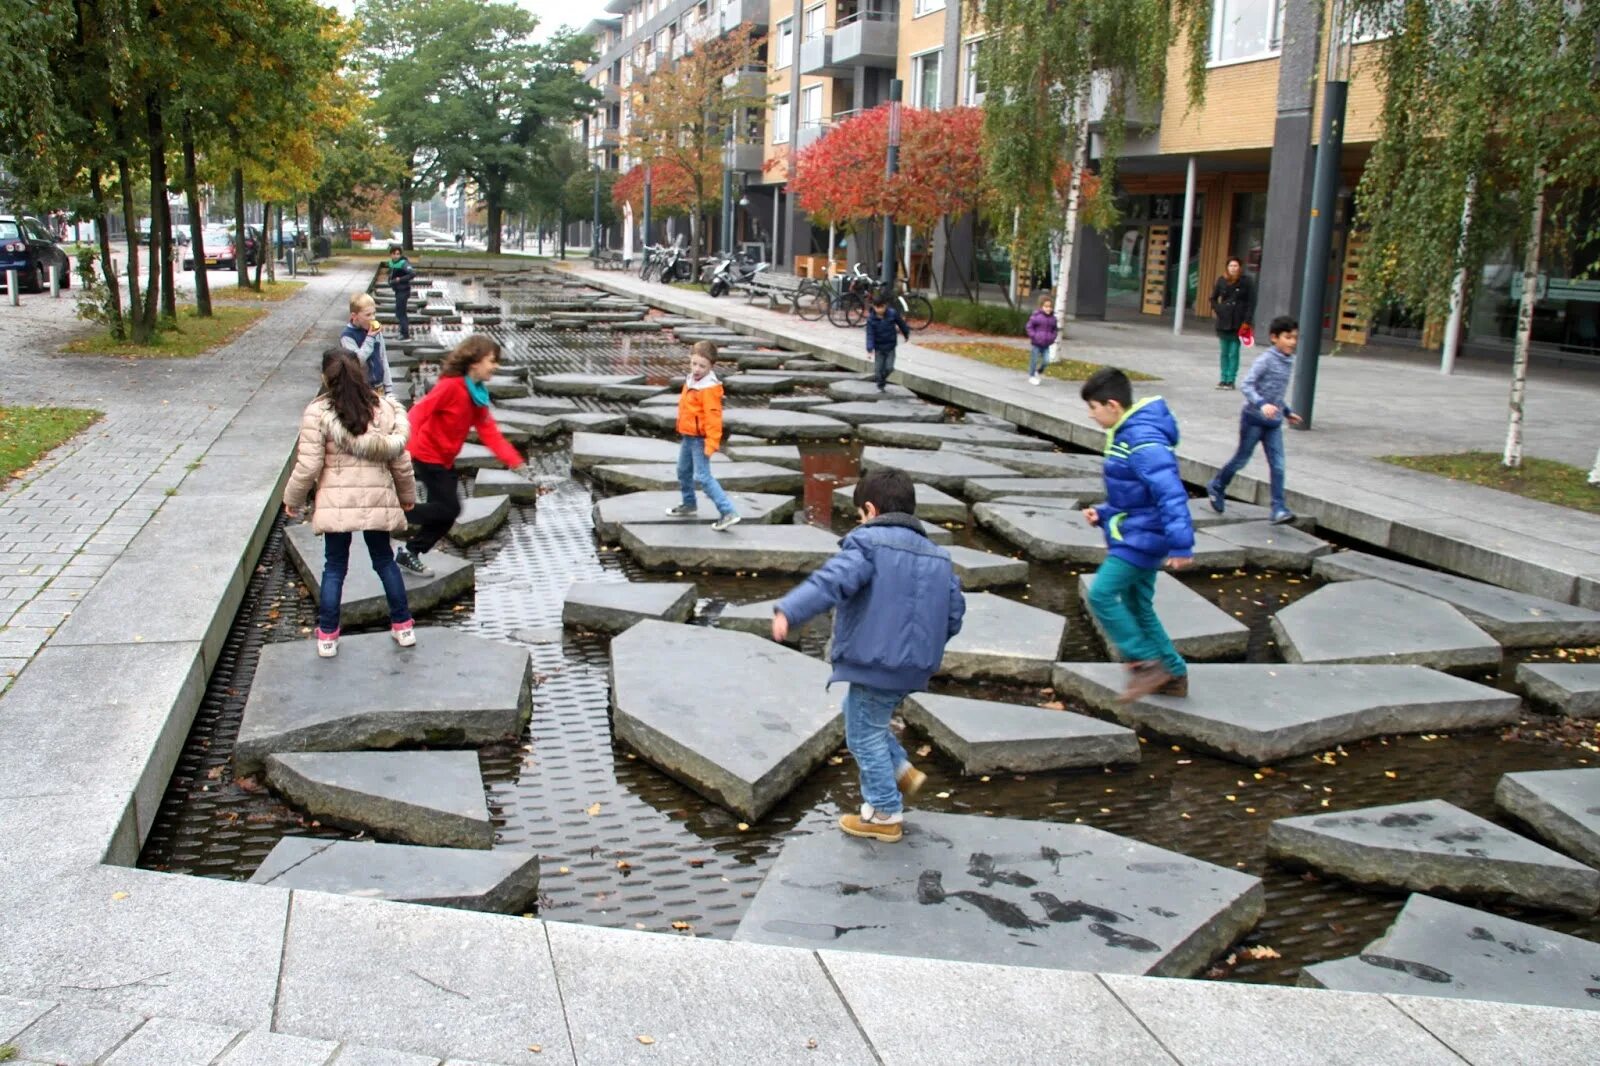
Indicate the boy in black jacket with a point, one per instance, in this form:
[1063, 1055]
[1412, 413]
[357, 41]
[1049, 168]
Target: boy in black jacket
[400, 275]
[883, 322]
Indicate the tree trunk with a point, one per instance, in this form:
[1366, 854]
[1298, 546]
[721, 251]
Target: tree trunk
[139, 331]
[1069, 223]
[955, 261]
[1530, 294]
[492, 212]
[269, 248]
[266, 213]
[103, 238]
[522, 233]
[240, 267]
[160, 210]
[561, 232]
[405, 212]
[191, 193]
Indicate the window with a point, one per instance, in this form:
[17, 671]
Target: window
[811, 106]
[976, 87]
[785, 42]
[926, 7]
[925, 80]
[780, 119]
[816, 23]
[1245, 29]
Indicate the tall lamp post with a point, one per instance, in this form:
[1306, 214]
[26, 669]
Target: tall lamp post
[891, 168]
[646, 222]
[594, 232]
[728, 161]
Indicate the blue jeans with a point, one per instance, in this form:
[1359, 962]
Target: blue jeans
[1123, 599]
[694, 468]
[1038, 359]
[1253, 430]
[402, 313]
[878, 754]
[336, 563]
[882, 366]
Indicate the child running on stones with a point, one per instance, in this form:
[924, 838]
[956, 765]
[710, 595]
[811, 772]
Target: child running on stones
[363, 338]
[883, 322]
[700, 427]
[353, 446]
[1146, 521]
[1041, 330]
[1262, 417]
[897, 603]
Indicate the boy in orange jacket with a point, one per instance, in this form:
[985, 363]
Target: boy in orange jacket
[700, 427]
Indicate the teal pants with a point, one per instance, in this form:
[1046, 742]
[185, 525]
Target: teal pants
[1123, 599]
[1229, 343]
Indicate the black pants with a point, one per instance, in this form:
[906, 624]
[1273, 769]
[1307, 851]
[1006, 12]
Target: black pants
[402, 312]
[882, 366]
[439, 513]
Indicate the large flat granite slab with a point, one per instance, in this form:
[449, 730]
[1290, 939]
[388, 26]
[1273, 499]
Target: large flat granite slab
[1260, 713]
[1515, 619]
[582, 384]
[513, 483]
[538, 405]
[1437, 948]
[1571, 688]
[686, 546]
[1562, 806]
[756, 618]
[980, 569]
[451, 689]
[1273, 547]
[1005, 640]
[867, 392]
[733, 477]
[743, 734]
[980, 489]
[592, 449]
[594, 421]
[644, 508]
[1204, 517]
[932, 504]
[477, 457]
[919, 435]
[1050, 532]
[783, 425]
[612, 606]
[433, 798]
[364, 601]
[861, 412]
[481, 517]
[1199, 629]
[989, 737]
[784, 455]
[1434, 846]
[1376, 622]
[1003, 890]
[506, 882]
[943, 470]
[1031, 463]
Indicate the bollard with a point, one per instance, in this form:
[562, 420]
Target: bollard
[55, 280]
[13, 287]
[289, 259]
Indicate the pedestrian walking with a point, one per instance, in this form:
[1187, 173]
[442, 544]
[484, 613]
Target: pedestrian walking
[457, 405]
[400, 278]
[1233, 303]
[353, 448]
[1262, 417]
[700, 435]
[897, 602]
[363, 338]
[883, 323]
[1146, 524]
[1041, 329]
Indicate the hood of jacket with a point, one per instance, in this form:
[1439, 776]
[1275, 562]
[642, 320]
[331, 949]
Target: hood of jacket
[1149, 421]
[707, 382]
[893, 520]
[382, 441]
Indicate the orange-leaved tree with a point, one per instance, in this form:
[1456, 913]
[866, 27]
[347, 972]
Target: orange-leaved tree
[671, 188]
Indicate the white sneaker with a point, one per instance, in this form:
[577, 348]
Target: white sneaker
[1034, 380]
[404, 634]
[327, 644]
[727, 522]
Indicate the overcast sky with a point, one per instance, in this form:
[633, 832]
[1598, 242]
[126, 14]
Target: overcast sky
[553, 14]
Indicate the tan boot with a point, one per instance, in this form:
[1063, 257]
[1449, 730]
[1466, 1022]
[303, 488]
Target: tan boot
[911, 781]
[1178, 686]
[1146, 682]
[870, 825]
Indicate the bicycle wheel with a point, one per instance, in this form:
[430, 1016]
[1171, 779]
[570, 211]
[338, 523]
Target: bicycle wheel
[840, 310]
[917, 309]
[856, 313]
[812, 301]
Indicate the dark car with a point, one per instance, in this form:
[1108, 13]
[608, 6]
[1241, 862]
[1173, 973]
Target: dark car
[255, 249]
[27, 247]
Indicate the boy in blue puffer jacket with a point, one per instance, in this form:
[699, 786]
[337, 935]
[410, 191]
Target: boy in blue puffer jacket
[885, 326]
[1146, 522]
[898, 602]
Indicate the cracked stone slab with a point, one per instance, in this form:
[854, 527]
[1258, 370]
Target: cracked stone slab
[982, 489]
[756, 618]
[451, 688]
[782, 425]
[480, 518]
[1199, 628]
[593, 449]
[862, 412]
[1371, 621]
[477, 457]
[513, 483]
[1562, 806]
[612, 606]
[1571, 688]
[539, 405]
[504, 881]
[592, 422]
[506, 387]
[1434, 846]
[917, 435]
[364, 601]
[1260, 713]
[1052, 533]
[933, 505]
[947, 471]
[1204, 517]
[784, 455]
[783, 549]
[754, 360]
[1272, 547]
[866, 391]
[1031, 464]
[1004, 640]
[732, 476]
[760, 384]
[520, 427]
[433, 798]
[744, 734]
[980, 569]
[805, 402]
[581, 384]
[1438, 948]
[1515, 619]
[989, 737]
[646, 508]
[1008, 891]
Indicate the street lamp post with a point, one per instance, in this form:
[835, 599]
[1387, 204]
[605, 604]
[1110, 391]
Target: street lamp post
[645, 233]
[728, 160]
[594, 233]
[891, 168]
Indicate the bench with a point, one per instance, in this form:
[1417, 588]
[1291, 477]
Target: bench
[777, 288]
[609, 259]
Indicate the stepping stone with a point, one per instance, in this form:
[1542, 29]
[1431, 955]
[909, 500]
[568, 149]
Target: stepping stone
[1004, 640]
[848, 391]
[593, 449]
[505, 483]
[630, 393]
[769, 548]
[1562, 806]
[755, 360]
[634, 327]
[1055, 503]
[477, 457]
[932, 505]
[1515, 619]
[1031, 464]
[451, 689]
[1260, 713]
[939, 535]
[1434, 846]
[502, 882]
[1054, 533]
[988, 737]
[1272, 547]
[783, 425]
[433, 798]
[665, 399]
[915, 435]
[978, 418]
[592, 422]
[1065, 488]
[1005, 891]
[733, 477]
[1204, 517]
[742, 351]
[518, 427]
[643, 508]
[797, 403]
[480, 517]
[538, 405]
[1571, 688]
[1199, 628]
[612, 606]
[1376, 622]
[582, 384]
[758, 384]
[737, 718]
[980, 569]
[486, 320]
[658, 418]
[861, 412]
[784, 455]
[808, 364]
[597, 316]
[756, 618]
[943, 470]
[1437, 948]
[364, 601]
[506, 387]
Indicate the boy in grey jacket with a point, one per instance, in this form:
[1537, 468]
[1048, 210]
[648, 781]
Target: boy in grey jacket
[1261, 421]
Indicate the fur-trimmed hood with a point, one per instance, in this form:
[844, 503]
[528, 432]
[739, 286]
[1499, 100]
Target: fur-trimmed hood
[383, 440]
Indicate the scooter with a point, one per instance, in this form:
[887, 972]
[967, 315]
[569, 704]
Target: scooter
[733, 271]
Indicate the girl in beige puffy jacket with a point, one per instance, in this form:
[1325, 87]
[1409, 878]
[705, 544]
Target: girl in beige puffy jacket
[353, 447]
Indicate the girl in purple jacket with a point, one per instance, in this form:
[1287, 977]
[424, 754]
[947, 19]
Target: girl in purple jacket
[1041, 335]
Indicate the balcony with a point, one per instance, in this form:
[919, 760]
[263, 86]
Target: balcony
[747, 81]
[816, 56]
[1139, 115]
[610, 94]
[868, 39]
[744, 157]
[736, 12]
[609, 137]
[810, 133]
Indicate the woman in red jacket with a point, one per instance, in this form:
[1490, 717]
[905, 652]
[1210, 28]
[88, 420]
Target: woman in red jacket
[440, 422]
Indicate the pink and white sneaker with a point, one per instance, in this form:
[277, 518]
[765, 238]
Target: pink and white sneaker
[404, 634]
[327, 644]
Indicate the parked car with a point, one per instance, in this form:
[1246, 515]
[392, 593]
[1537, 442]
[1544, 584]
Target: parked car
[218, 249]
[255, 249]
[27, 247]
[361, 233]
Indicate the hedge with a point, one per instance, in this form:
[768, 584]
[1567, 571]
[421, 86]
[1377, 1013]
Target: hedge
[981, 318]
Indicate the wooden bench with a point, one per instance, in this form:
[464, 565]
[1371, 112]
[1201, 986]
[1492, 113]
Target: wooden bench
[609, 259]
[777, 288]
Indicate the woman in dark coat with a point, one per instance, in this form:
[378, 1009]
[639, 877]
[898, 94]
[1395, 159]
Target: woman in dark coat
[1233, 302]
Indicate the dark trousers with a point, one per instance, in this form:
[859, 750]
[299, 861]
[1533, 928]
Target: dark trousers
[336, 565]
[443, 506]
[402, 312]
[882, 366]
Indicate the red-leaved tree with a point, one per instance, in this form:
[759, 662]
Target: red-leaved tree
[671, 189]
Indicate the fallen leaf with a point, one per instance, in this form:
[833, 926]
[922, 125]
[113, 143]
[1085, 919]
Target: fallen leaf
[647, 1040]
[743, 826]
[1390, 774]
[697, 863]
[119, 895]
[564, 870]
[924, 751]
[622, 864]
[811, 1045]
[1260, 952]
[213, 774]
[593, 809]
[536, 1049]
[680, 926]
[942, 795]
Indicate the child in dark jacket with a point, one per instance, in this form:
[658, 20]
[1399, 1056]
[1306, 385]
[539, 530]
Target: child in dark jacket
[1041, 335]
[400, 277]
[1262, 417]
[883, 323]
[1146, 522]
[898, 601]
[363, 338]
